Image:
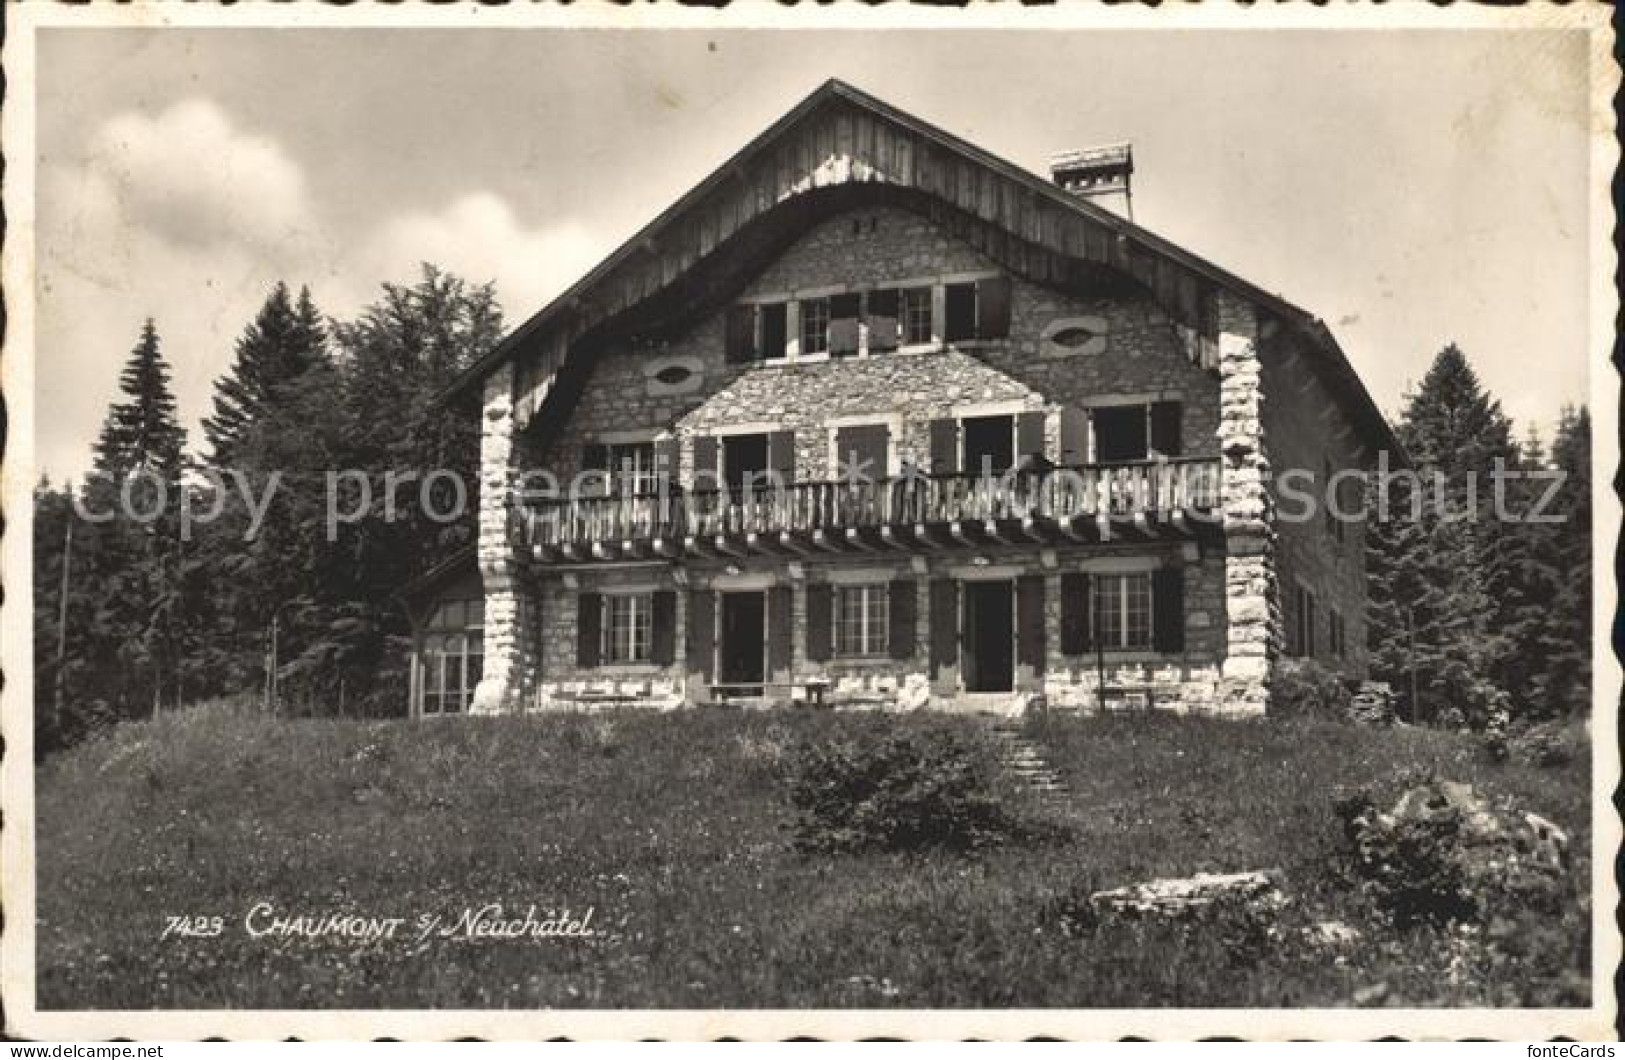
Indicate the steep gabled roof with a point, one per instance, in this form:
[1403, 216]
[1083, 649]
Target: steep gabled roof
[1045, 216]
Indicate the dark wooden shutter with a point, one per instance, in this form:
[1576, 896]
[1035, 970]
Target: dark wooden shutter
[900, 634]
[1074, 436]
[666, 460]
[589, 626]
[945, 446]
[843, 323]
[993, 307]
[960, 299]
[663, 617]
[1168, 609]
[820, 621]
[862, 448]
[775, 330]
[1074, 614]
[594, 457]
[781, 455]
[702, 632]
[705, 461]
[741, 334]
[1165, 427]
[944, 625]
[882, 319]
[1030, 639]
[1029, 434]
[779, 623]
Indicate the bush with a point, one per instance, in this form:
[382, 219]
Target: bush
[901, 791]
[1305, 689]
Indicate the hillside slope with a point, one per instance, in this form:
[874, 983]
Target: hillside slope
[671, 830]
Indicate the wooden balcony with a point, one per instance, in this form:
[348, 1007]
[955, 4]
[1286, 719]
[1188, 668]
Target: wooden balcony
[1081, 504]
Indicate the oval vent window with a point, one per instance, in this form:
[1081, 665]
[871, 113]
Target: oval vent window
[673, 375]
[1074, 338]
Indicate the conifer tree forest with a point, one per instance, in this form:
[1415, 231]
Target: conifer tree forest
[157, 613]
[1487, 619]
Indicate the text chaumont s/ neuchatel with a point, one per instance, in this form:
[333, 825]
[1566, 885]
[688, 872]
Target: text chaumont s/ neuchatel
[491, 921]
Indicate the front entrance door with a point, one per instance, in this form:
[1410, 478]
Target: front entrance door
[989, 636]
[741, 652]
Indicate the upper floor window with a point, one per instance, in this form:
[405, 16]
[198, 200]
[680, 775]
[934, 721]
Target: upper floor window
[860, 620]
[814, 325]
[632, 467]
[916, 316]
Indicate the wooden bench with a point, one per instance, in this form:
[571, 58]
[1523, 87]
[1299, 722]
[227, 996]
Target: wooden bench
[726, 693]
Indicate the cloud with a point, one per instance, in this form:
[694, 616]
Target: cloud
[194, 178]
[478, 237]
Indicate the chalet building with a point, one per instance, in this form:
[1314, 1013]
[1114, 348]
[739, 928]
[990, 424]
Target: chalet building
[1013, 445]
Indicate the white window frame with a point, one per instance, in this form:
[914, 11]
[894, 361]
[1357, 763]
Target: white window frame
[642, 471]
[922, 292]
[469, 641]
[802, 347]
[638, 644]
[1124, 640]
[873, 620]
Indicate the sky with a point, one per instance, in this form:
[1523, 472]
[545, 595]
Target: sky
[1411, 188]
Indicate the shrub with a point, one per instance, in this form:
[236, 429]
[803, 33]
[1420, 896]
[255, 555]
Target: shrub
[900, 791]
[1304, 688]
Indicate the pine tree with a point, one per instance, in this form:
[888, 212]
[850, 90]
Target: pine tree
[1567, 685]
[142, 431]
[1438, 580]
[282, 343]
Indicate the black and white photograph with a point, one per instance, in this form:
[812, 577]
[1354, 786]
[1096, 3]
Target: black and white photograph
[652, 522]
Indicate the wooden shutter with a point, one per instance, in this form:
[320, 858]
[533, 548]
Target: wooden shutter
[820, 621]
[944, 625]
[900, 634]
[1168, 609]
[882, 319]
[1030, 639]
[1075, 614]
[993, 307]
[960, 308]
[589, 627]
[775, 330]
[1165, 427]
[1074, 436]
[779, 623]
[705, 461]
[862, 447]
[843, 323]
[666, 461]
[1029, 435]
[702, 632]
[663, 619]
[945, 446]
[740, 339]
[781, 455]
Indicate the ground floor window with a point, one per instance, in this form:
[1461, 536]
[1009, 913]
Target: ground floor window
[1336, 635]
[860, 620]
[451, 659]
[1124, 610]
[1303, 623]
[628, 624]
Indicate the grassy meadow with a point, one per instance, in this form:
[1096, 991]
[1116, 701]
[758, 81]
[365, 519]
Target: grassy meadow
[674, 830]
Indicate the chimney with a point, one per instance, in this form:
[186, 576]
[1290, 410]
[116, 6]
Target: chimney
[1097, 172]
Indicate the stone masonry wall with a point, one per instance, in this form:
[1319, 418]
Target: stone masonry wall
[1142, 359]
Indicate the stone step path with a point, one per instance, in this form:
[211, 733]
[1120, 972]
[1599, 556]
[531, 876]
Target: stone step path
[1025, 759]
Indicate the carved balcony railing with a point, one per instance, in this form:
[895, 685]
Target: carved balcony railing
[1084, 503]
